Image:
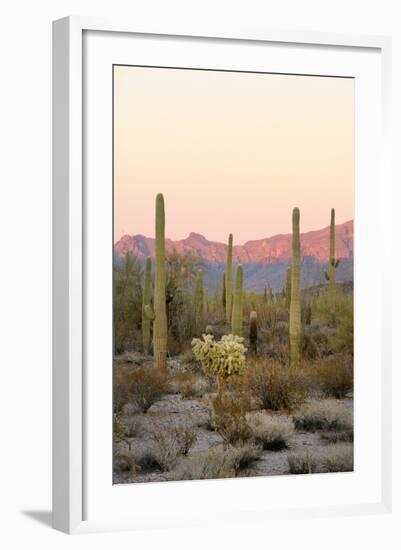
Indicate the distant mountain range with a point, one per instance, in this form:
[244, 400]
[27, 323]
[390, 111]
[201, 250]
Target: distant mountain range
[265, 260]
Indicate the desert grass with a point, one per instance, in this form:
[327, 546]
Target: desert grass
[338, 457]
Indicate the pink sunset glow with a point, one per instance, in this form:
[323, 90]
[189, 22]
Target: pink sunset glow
[231, 152]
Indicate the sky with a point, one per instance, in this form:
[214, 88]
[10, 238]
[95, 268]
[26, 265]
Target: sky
[232, 152]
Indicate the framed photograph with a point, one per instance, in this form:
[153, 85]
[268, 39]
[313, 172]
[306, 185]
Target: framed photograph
[220, 330]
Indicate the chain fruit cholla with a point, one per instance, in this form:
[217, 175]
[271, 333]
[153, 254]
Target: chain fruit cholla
[222, 359]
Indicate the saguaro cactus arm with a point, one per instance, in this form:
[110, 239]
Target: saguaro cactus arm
[149, 313]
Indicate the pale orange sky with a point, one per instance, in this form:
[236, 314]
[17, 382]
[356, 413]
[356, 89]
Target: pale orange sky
[231, 152]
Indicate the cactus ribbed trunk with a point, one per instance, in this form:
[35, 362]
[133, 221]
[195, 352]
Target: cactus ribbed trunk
[295, 306]
[229, 278]
[205, 300]
[216, 298]
[332, 265]
[146, 296]
[223, 291]
[253, 332]
[160, 322]
[236, 327]
[288, 288]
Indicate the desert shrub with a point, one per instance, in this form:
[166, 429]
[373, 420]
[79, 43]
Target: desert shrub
[127, 303]
[301, 462]
[167, 447]
[273, 386]
[337, 457]
[217, 462]
[243, 457]
[144, 386]
[124, 463]
[170, 442]
[271, 432]
[189, 385]
[228, 418]
[343, 339]
[119, 429]
[185, 434]
[147, 458]
[132, 428]
[335, 377]
[214, 463]
[326, 414]
[346, 436]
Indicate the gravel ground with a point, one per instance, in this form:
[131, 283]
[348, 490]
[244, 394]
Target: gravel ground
[173, 410]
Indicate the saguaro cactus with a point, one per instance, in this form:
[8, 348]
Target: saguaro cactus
[333, 263]
[223, 291]
[160, 314]
[146, 296]
[288, 287]
[295, 306]
[205, 300]
[229, 278]
[236, 325]
[253, 332]
[215, 297]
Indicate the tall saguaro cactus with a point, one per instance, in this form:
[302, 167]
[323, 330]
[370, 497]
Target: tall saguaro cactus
[229, 278]
[146, 296]
[288, 287]
[333, 263]
[223, 292]
[295, 306]
[236, 325]
[253, 332]
[160, 314]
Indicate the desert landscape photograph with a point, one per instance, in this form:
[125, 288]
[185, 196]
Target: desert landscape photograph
[232, 274]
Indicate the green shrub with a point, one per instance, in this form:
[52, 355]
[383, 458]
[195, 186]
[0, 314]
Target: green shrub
[326, 414]
[271, 432]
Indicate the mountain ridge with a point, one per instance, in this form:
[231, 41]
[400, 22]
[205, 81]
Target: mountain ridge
[267, 250]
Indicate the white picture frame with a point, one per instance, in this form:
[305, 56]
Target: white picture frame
[71, 246]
